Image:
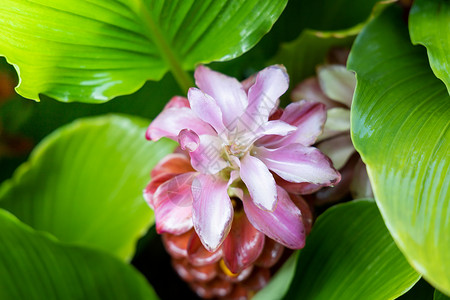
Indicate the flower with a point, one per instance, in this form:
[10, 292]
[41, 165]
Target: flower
[334, 87]
[235, 139]
[244, 262]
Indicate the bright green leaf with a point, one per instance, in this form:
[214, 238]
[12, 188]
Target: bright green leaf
[279, 283]
[400, 126]
[429, 25]
[351, 255]
[93, 50]
[84, 183]
[35, 265]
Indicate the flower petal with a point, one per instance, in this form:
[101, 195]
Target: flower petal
[206, 108]
[271, 254]
[227, 91]
[188, 140]
[308, 118]
[339, 149]
[207, 158]
[243, 244]
[259, 181]
[213, 212]
[338, 83]
[283, 225]
[177, 102]
[174, 163]
[173, 205]
[297, 163]
[360, 186]
[310, 90]
[176, 245]
[171, 121]
[154, 184]
[198, 255]
[338, 121]
[271, 83]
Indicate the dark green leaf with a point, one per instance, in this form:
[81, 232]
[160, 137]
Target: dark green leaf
[440, 296]
[400, 126]
[351, 255]
[35, 265]
[84, 183]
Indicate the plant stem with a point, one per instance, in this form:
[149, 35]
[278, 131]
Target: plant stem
[183, 79]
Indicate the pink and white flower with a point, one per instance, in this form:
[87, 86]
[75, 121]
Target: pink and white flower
[237, 139]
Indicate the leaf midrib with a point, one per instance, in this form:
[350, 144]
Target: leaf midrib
[153, 32]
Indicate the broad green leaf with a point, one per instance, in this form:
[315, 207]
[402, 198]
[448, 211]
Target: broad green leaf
[429, 25]
[93, 50]
[84, 183]
[35, 265]
[439, 296]
[400, 126]
[351, 255]
[279, 284]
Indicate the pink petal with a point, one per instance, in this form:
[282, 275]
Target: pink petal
[259, 181]
[271, 254]
[308, 118]
[283, 225]
[188, 140]
[174, 163]
[271, 83]
[206, 108]
[227, 91]
[176, 245]
[207, 158]
[302, 188]
[177, 102]
[153, 185]
[198, 255]
[171, 121]
[173, 205]
[213, 212]
[276, 128]
[297, 163]
[309, 89]
[243, 244]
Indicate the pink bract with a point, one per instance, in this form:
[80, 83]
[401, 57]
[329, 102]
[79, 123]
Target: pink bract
[237, 139]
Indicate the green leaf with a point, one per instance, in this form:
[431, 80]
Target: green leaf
[400, 126]
[93, 50]
[35, 265]
[304, 54]
[421, 290]
[301, 56]
[439, 296]
[351, 255]
[429, 25]
[84, 183]
[279, 284]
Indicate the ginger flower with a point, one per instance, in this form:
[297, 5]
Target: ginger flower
[237, 139]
